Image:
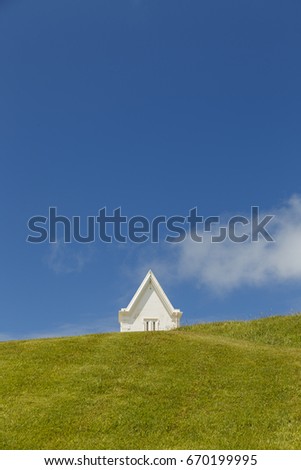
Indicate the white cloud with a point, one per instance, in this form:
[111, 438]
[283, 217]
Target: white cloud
[226, 266]
[5, 337]
[105, 324]
[67, 258]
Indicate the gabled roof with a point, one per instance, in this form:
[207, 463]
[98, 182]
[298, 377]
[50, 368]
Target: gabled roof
[150, 278]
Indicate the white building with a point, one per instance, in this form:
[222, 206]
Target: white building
[149, 309]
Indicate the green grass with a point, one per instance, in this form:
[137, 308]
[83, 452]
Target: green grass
[233, 385]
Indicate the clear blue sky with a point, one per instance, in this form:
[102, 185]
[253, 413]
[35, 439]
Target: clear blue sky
[156, 107]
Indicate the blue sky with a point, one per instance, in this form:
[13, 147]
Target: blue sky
[155, 107]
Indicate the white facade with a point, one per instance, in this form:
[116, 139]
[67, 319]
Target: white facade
[149, 309]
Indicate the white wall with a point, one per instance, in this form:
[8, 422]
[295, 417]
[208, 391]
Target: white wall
[149, 307]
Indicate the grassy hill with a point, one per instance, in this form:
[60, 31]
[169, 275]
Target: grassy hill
[234, 385]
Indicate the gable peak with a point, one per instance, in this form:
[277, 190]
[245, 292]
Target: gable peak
[141, 298]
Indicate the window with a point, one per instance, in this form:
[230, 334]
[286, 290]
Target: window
[151, 324]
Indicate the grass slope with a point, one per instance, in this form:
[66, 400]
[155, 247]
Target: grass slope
[234, 385]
